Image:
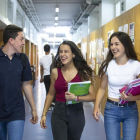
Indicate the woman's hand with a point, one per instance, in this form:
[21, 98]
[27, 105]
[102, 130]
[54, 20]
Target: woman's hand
[43, 122]
[126, 97]
[96, 113]
[69, 96]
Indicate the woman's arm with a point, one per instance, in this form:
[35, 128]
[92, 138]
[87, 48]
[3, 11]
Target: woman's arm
[99, 96]
[49, 98]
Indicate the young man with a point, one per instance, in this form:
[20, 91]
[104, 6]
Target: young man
[13, 77]
[45, 64]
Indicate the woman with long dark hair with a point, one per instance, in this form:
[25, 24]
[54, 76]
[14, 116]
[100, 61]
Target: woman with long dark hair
[119, 68]
[69, 66]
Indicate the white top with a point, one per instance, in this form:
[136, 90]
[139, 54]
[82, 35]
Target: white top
[120, 75]
[46, 62]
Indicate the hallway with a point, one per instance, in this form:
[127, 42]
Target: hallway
[93, 130]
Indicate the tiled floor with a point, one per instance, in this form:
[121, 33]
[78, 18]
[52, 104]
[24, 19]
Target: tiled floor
[93, 130]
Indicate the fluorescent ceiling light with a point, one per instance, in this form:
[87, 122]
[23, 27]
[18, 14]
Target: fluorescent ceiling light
[56, 9]
[45, 42]
[55, 24]
[58, 29]
[44, 35]
[24, 30]
[56, 17]
[56, 39]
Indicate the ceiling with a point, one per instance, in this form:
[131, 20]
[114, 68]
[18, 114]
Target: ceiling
[68, 10]
[70, 16]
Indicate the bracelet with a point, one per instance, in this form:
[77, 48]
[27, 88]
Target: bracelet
[75, 98]
[43, 115]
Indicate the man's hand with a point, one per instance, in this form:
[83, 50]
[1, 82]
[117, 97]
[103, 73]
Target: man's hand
[41, 80]
[34, 118]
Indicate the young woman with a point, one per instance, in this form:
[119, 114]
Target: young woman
[67, 120]
[120, 67]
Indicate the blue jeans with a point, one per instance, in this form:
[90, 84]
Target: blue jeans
[13, 129]
[67, 121]
[113, 115]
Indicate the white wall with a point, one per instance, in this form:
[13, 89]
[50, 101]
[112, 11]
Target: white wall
[107, 11]
[100, 14]
[84, 29]
[80, 33]
[117, 9]
[3, 8]
[93, 21]
[3, 12]
[74, 37]
[131, 3]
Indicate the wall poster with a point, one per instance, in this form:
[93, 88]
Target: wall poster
[131, 31]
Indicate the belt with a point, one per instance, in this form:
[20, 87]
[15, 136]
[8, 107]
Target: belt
[121, 105]
[69, 105]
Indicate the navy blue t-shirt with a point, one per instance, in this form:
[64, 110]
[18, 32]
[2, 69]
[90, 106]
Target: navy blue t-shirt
[12, 73]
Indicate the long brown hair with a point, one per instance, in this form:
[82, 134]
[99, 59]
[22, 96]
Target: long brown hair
[80, 63]
[128, 46]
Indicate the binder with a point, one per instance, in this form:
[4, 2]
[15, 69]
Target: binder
[79, 89]
[133, 87]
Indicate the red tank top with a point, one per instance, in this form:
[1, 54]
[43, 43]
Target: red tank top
[61, 85]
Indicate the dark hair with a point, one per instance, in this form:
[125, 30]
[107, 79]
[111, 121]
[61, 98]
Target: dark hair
[80, 63]
[47, 48]
[128, 46]
[11, 31]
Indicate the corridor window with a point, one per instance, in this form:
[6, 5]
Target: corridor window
[10, 11]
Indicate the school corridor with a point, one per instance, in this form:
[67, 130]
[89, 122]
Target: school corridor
[93, 130]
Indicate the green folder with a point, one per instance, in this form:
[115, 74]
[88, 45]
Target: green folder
[79, 89]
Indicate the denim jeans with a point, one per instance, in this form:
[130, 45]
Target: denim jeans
[13, 129]
[113, 115]
[67, 121]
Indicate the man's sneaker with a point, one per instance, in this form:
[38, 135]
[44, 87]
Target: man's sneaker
[50, 109]
[52, 104]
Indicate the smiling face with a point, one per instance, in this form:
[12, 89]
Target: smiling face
[18, 42]
[117, 48]
[65, 54]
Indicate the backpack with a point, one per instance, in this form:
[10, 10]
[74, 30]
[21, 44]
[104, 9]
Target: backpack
[23, 59]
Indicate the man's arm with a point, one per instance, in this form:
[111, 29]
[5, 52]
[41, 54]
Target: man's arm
[41, 73]
[29, 96]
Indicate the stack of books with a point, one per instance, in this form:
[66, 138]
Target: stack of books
[133, 88]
